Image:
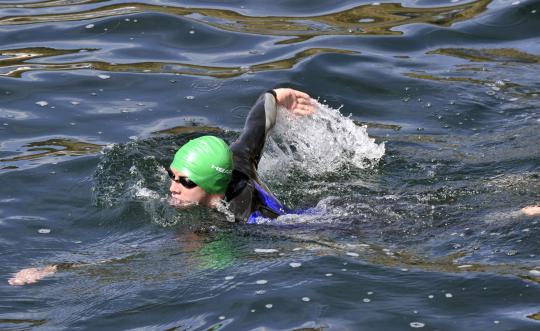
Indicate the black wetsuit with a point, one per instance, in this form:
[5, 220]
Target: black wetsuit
[247, 196]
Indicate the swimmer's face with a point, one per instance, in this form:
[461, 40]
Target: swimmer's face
[182, 196]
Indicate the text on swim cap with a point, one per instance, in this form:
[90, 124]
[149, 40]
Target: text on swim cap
[220, 169]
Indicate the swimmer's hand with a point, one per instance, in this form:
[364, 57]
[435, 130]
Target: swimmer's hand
[31, 275]
[297, 102]
[531, 210]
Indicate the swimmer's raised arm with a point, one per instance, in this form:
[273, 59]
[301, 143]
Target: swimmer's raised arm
[261, 119]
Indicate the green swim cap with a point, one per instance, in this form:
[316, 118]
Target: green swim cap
[207, 161]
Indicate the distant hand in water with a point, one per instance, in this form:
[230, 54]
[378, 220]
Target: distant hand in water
[531, 210]
[297, 102]
[31, 275]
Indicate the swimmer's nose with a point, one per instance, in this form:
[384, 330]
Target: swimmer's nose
[175, 188]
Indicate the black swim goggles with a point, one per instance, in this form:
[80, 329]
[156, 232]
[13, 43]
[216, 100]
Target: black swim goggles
[182, 180]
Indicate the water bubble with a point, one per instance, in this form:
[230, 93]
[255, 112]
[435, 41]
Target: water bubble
[229, 277]
[44, 231]
[306, 299]
[253, 310]
[261, 281]
[330, 275]
[344, 269]
[366, 300]
[191, 31]
[135, 20]
[269, 305]
[404, 269]
[89, 26]
[72, 123]
[75, 103]
[295, 264]
[417, 325]
[431, 296]
[448, 295]
[221, 317]
[42, 103]
[369, 293]
[103, 76]
[428, 105]
[533, 11]
[190, 97]
[496, 322]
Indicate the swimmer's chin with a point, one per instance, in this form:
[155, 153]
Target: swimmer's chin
[181, 204]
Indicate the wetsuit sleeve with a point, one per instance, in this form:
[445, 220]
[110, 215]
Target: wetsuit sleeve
[248, 148]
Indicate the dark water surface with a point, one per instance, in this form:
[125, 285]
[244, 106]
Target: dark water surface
[419, 229]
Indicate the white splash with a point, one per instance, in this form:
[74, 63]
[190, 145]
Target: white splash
[321, 143]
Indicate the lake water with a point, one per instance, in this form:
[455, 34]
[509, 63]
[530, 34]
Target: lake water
[414, 221]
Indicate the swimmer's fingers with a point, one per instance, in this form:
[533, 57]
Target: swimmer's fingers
[303, 109]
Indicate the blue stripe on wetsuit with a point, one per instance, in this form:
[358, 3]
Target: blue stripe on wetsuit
[273, 204]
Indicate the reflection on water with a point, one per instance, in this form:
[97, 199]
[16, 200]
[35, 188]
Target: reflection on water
[53, 148]
[380, 19]
[489, 54]
[15, 65]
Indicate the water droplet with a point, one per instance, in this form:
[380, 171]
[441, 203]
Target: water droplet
[75, 103]
[512, 252]
[295, 264]
[89, 26]
[366, 300]
[352, 254]
[369, 293]
[535, 272]
[329, 275]
[44, 231]
[533, 11]
[448, 295]
[103, 76]
[496, 322]
[191, 31]
[265, 250]
[306, 299]
[253, 310]
[417, 325]
[431, 296]
[190, 97]
[428, 105]
[42, 103]
[229, 277]
[404, 269]
[72, 123]
[261, 281]
[222, 317]
[269, 305]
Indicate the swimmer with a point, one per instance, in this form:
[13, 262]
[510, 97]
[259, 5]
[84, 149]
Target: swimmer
[207, 171]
